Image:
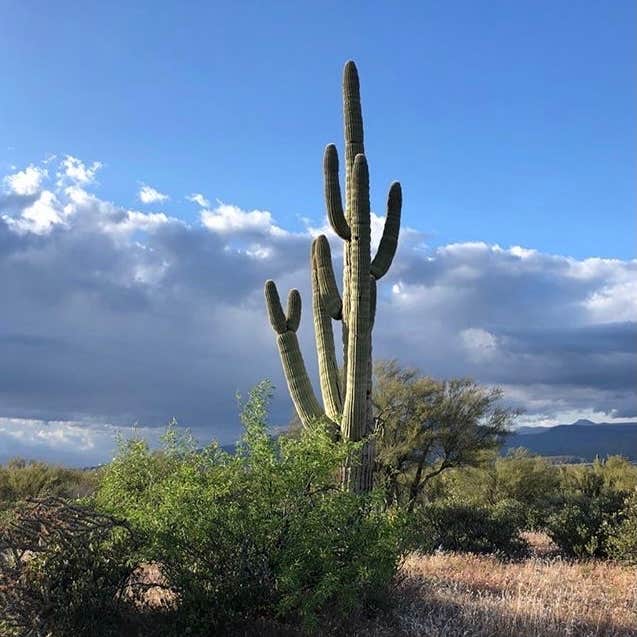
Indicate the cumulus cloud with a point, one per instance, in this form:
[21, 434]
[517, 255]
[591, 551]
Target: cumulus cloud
[114, 316]
[27, 181]
[523, 320]
[226, 219]
[148, 194]
[74, 170]
[38, 217]
[80, 444]
[199, 199]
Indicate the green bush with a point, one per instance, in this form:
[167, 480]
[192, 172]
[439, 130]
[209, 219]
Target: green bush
[622, 542]
[453, 526]
[265, 532]
[521, 476]
[616, 472]
[587, 518]
[530, 480]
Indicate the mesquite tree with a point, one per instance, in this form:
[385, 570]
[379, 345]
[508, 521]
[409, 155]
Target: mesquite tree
[347, 397]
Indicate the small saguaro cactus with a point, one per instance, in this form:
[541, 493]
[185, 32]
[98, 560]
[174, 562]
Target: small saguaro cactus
[347, 398]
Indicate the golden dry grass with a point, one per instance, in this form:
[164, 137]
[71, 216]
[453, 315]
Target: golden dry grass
[453, 595]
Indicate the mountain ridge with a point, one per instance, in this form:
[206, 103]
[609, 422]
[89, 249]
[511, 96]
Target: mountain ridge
[583, 439]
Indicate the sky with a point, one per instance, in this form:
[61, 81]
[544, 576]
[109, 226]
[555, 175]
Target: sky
[159, 161]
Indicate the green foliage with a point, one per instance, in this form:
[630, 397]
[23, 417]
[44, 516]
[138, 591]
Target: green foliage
[622, 542]
[530, 480]
[616, 472]
[588, 515]
[426, 426]
[264, 532]
[521, 476]
[454, 526]
[21, 479]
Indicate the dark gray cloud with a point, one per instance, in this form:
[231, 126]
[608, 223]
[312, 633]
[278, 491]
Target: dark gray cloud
[117, 316]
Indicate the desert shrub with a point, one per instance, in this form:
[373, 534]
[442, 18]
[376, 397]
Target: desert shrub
[454, 526]
[613, 473]
[521, 476]
[22, 479]
[264, 532]
[63, 570]
[616, 472]
[588, 516]
[531, 480]
[622, 543]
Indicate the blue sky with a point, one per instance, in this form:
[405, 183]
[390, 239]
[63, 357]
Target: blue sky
[508, 122]
[126, 299]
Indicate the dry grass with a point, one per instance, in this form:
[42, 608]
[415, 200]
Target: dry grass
[156, 593]
[453, 595]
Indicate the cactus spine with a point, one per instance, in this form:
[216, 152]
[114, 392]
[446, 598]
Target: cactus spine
[346, 398]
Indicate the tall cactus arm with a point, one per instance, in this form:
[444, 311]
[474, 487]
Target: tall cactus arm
[328, 365]
[353, 124]
[298, 381]
[294, 310]
[299, 385]
[277, 316]
[355, 407]
[389, 240]
[353, 117]
[326, 279]
[333, 201]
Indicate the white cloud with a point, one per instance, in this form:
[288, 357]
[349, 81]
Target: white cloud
[127, 222]
[73, 443]
[480, 344]
[226, 219]
[616, 301]
[199, 199]
[39, 217]
[523, 253]
[76, 171]
[26, 182]
[143, 221]
[148, 194]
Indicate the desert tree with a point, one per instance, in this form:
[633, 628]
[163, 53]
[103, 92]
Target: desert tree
[425, 426]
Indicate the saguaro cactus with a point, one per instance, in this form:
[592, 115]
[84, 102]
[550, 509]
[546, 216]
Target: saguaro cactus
[346, 398]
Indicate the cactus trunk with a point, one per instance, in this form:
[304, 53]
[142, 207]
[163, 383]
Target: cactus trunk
[347, 398]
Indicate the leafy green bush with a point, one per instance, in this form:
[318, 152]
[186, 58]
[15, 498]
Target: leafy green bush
[587, 518]
[616, 472]
[622, 542]
[521, 476]
[530, 480]
[265, 532]
[453, 526]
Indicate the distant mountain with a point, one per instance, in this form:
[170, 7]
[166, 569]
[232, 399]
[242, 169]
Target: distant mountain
[543, 428]
[583, 439]
[530, 431]
[587, 423]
